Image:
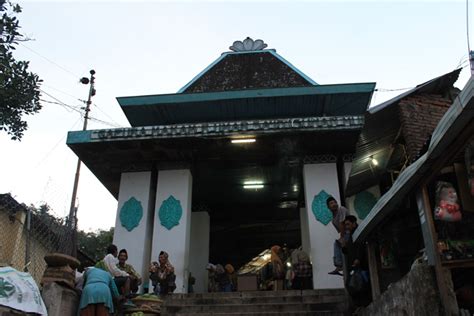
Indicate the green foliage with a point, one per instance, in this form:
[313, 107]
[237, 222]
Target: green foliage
[19, 88]
[95, 243]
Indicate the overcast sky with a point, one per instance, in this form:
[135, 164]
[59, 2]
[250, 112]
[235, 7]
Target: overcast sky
[156, 47]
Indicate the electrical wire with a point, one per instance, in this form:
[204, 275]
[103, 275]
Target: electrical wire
[61, 103]
[467, 27]
[108, 116]
[57, 144]
[50, 61]
[64, 104]
[103, 122]
[392, 90]
[63, 92]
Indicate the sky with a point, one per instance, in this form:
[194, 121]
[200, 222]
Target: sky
[156, 47]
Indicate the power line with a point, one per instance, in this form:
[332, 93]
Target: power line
[50, 61]
[63, 92]
[103, 122]
[59, 102]
[57, 144]
[467, 26]
[391, 90]
[108, 116]
[65, 105]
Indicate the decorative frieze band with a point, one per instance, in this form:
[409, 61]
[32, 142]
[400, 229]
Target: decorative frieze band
[230, 128]
[319, 159]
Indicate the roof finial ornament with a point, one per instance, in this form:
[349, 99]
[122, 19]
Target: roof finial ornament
[247, 45]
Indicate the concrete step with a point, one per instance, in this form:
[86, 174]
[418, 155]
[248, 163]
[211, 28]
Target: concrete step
[317, 313]
[255, 308]
[308, 302]
[257, 300]
[260, 294]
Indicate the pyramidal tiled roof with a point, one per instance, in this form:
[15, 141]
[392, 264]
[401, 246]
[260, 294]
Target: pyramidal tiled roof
[252, 68]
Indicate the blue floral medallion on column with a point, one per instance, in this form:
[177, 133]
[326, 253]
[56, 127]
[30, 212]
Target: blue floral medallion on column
[363, 203]
[6, 289]
[320, 208]
[131, 214]
[170, 212]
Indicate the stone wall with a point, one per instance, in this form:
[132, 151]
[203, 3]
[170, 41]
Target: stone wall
[13, 243]
[414, 295]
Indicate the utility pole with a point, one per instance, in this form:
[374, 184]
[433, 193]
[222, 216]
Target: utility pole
[73, 209]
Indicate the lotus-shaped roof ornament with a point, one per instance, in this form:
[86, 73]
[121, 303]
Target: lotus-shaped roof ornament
[248, 45]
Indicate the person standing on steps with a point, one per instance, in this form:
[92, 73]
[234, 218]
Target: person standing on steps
[339, 214]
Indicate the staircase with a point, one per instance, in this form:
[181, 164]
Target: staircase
[306, 302]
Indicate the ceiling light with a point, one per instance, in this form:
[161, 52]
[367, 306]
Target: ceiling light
[242, 140]
[253, 182]
[253, 186]
[288, 204]
[295, 188]
[374, 161]
[288, 264]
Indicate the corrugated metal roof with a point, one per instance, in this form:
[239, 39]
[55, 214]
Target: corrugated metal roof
[321, 100]
[435, 86]
[458, 116]
[379, 135]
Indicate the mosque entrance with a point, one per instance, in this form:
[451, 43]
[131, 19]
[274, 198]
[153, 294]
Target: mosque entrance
[251, 208]
[253, 192]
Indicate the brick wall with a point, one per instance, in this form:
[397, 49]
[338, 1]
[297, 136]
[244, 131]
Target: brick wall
[419, 116]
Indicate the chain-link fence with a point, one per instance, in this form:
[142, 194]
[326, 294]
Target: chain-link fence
[28, 234]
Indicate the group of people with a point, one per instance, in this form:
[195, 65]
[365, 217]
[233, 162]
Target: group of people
[112, 278]
[221, 278]
[297, 272]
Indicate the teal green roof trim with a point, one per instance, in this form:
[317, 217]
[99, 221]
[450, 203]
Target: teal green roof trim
[76, 137]
[299, 72]
[245, 94]
[224, 55]
[215, 62]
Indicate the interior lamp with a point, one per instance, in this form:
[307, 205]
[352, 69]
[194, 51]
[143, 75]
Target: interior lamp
[242, 140]
[374, 161]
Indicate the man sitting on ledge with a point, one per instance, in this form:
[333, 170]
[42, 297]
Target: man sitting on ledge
[109, 264]
[135, 279]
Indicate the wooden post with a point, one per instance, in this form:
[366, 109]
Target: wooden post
[448, 299]
[373, 270]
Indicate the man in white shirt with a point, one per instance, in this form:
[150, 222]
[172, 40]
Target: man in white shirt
[109, 264]
[339, 214]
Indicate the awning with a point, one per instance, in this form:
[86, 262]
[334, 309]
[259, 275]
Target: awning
[252, 104]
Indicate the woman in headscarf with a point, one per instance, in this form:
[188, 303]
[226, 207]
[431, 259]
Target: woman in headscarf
[96, 298]
[229, 269]
[278, 269]
[303, 272]
[162, 275]
[222, 279]
[211, 278]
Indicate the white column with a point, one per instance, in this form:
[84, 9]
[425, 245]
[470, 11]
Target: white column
[199, 250]
[305, 244]
[319, 177]
[171, 231]
[133, 225]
